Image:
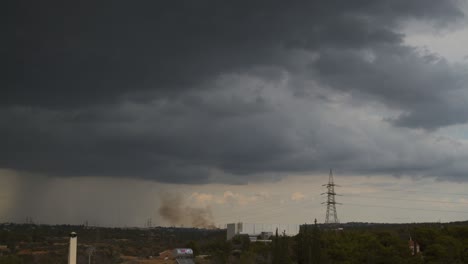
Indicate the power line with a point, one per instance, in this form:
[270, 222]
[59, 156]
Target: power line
[260, 205]
[264, 205]
[403, 199]
[275, 213]
[433, 192]
[278, 210]
[405, 190]
[270, 208]
[265, 211]
[407, 208]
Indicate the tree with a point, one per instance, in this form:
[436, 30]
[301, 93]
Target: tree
[247, 257]
[194, 246]
[309, 244]
[281, 249]
[10, 260]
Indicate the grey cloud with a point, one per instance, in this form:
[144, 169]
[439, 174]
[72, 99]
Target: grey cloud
[199, 92]
[430, 91]
[93, 53]
[177, 141]
[185, 142]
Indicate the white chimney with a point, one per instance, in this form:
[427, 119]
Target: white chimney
[72, 250]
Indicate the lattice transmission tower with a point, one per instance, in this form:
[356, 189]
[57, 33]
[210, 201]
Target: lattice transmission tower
[331, 216]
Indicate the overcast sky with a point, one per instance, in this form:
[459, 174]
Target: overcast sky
[234, 106]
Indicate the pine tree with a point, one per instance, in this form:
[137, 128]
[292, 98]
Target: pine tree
[309, 248]
[281, 249]
[315, 244]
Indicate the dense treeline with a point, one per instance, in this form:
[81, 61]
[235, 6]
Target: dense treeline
[48, 244]
[356, 243]
[377, 244]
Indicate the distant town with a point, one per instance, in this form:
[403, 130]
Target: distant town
[355, 242]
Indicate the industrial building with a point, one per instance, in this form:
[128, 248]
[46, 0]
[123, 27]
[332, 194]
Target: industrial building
[259, 231]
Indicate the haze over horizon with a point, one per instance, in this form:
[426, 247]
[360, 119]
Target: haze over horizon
[237, 109]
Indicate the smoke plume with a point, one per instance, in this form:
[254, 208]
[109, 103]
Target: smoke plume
[174, 211]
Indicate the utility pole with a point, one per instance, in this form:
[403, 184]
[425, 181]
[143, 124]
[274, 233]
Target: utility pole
[72, 248]
[331, 216]
[90, 252]
[149, 223]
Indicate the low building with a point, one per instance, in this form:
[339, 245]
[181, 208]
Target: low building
[183, 253]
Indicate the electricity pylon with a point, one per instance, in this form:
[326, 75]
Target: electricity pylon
[331, 216]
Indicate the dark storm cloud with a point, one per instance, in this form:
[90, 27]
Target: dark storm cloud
[91, 53]
[200, 91]
[171, 142]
